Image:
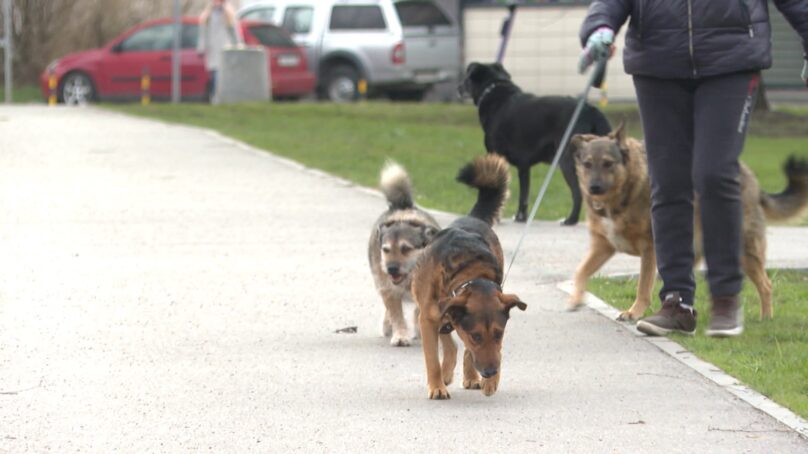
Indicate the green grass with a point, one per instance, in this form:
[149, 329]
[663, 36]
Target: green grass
[431, 140]
[770, 356]
[22, 95]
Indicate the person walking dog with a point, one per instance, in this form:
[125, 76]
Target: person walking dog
[696, 68]
[218, 28]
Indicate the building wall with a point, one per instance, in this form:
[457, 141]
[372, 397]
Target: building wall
[542, 54]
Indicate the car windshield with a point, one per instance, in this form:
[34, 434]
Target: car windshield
[264, 14]
[420, 14]
[298, 19]
[271, 36]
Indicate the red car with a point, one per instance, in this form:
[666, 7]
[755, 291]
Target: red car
[114, 71]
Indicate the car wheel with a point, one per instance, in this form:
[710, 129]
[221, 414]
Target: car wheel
[77, 88]
[416, 94]
[341, 84]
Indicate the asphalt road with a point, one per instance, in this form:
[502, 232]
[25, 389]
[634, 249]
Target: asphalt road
[164, 290]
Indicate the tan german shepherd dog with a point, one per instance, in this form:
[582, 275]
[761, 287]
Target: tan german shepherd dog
[613, 175]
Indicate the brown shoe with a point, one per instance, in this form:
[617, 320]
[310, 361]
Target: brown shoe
[727, 320]
[674, 317]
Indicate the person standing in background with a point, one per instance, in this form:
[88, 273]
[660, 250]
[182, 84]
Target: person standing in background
[696, 66]
[218, 28]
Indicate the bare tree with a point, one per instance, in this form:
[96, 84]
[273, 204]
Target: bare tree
[47, 29]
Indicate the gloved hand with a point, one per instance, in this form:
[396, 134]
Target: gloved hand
[805, 72]
[599, 45]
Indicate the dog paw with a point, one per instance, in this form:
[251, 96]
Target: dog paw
[627, 316]
[439, 393]
[569, 222]
[448, 377]
[573, 306]
[399, 340]
[472, 384]
[520, 217]
[489, 386]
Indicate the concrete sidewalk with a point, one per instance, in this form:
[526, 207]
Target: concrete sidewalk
[163, 290]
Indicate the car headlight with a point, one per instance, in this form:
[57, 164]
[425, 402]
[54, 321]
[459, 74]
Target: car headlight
[52, 66]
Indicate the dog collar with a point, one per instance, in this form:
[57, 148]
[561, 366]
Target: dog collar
[464, 285]
[485, 92]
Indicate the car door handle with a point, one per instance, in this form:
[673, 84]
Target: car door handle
[165, 58]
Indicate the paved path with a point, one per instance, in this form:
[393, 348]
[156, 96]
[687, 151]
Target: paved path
[163, 290]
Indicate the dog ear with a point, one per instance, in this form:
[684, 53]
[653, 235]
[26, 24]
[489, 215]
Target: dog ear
[579, 141]
[501, 70]
[510, 301]
[477, 72]
[454, 307]
[619, 136]
[428, 232]
[576, 143]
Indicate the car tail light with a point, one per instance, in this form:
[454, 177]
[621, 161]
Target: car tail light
[399, 55]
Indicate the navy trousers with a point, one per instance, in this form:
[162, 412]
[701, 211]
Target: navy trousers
[694, 134]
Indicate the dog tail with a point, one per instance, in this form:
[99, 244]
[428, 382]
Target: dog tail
[396, 186]
[793, 201]
[600, 124]
[490, 175]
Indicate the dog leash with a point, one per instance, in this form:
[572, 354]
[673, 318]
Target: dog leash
[595, 80]
[507, 27]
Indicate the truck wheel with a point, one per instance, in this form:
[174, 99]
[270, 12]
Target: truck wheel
[341, 84]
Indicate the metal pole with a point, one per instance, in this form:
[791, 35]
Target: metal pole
[176, 69]
[8, 44]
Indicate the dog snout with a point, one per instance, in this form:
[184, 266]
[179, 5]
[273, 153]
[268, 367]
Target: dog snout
[596, 189]
[393, 270]
[489, 372]
[461, 90]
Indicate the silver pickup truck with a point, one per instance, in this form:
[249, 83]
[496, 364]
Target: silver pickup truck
[400, 48]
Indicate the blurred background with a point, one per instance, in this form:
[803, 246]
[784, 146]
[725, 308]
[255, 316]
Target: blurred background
[541, 54]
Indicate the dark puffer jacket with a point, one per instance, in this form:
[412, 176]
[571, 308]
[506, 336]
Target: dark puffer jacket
[694, 38]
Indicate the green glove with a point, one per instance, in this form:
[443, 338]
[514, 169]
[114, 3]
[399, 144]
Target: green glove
[598, 46]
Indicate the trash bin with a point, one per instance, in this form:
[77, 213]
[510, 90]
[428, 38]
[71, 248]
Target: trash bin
[243, 76]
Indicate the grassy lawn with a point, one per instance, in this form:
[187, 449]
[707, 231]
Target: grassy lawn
[353, 141]
[22, 95]
[771, 356]
[431, 140]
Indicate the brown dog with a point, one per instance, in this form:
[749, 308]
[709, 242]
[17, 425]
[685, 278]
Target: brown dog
[397, 239]
[457, 287]
[613, 175]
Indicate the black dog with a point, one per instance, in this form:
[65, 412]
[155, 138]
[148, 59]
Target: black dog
[527, 129]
